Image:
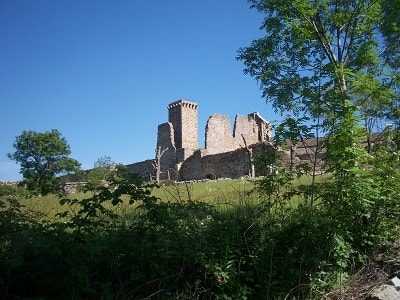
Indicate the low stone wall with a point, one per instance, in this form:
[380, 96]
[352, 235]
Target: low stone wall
[72, 187]
[10, 182]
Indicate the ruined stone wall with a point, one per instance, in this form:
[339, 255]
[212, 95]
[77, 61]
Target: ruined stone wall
[264, 128]
[248, 130]
[252, 128]
[306, 152]
[233, 164]
[218, 135]
[229, 164]
[245, 127]
[165, 140]
[224, 154]
[144, 168]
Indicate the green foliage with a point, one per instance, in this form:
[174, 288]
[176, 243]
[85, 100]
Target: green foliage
[13, 191]
[265, 244]
[36, 254]
[335, 65]
[315, 55]
[103, 170]
[93, 214]
[293, 130]
[361, 204]
[391, 29]
[42, 157]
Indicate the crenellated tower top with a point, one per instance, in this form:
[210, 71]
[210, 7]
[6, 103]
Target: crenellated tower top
[183, 115]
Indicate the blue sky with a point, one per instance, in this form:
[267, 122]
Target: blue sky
[103, 72]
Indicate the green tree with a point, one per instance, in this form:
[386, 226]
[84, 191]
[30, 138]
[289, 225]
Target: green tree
[318, 54]
[334, 64]
[43, 157]
[103, 170]
[391, 30]
[104, 162]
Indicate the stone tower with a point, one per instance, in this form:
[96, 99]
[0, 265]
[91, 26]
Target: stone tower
[183, 116]
[179, 137]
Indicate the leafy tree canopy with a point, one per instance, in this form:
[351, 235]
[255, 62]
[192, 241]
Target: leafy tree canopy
[104, 162]
[103, 169]
[318, 54]
[42, 157]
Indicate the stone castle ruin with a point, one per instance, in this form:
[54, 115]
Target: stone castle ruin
[226, 151]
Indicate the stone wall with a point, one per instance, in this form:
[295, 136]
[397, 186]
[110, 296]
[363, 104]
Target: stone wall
[232, 164]
[305, 152]
[165, 140]
[218, 135]
[248, 130]
[144, 168]
[200, 165]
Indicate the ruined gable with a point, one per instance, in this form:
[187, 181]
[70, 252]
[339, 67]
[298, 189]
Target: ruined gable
[218, 135]
[246, 128]
[253, 128]
[250, 129]
[166, 140]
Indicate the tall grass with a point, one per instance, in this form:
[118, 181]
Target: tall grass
[219, 193]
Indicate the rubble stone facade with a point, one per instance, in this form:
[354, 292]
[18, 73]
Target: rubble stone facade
[248, 130]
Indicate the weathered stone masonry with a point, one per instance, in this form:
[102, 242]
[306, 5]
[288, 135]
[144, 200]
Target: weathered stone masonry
[224, 154]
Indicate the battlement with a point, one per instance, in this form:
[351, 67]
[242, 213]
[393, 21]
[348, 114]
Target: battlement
[182, 114]
[183, 103]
